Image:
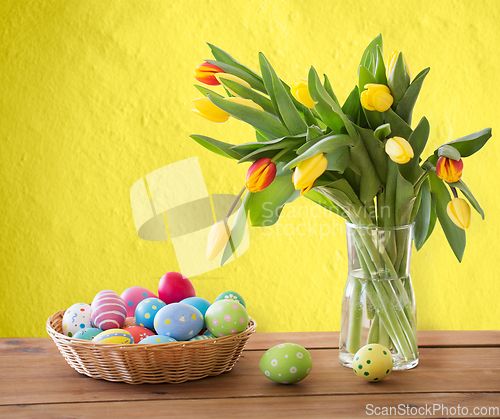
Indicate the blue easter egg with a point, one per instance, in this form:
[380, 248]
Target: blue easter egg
[198, 302]
[114, 336]
[154, 339]
[179, 321]
[146, 310]
[88, 334]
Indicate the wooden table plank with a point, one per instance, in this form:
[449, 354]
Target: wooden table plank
[44, 377]
[355, 406]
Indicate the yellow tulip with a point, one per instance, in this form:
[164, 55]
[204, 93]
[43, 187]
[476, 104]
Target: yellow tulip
[217, 239]
[307, 171]
[246, 102]
[393, 58]
[399, 150]
[300, 91]
[376, 97]
[206, 109]
[459, 212]
[226, 76]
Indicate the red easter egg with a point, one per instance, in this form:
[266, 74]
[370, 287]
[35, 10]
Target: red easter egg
[139, 333]
[174, 287]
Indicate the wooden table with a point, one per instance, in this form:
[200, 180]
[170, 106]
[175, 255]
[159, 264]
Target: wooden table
[456, 369]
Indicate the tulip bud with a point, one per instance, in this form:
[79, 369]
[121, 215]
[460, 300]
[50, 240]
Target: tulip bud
[399, 150]
[449, 170]
[393, 57]
[300, 91]
[226, 76]
[459, 212]
[217, 239]
[206, 109]
[307, 171]
[377, 97]
[205, 73]
[260, 175]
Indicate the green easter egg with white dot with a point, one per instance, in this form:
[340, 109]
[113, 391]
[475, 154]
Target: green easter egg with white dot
[372, 362]
[226, 317]
[231, 296]
[287, 363]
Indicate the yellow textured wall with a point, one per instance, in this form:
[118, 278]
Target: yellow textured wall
[96, 94]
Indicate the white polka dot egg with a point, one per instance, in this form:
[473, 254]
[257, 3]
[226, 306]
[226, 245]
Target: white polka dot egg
[76, 318]
[225, 318]
[287, 363]
[372, 362]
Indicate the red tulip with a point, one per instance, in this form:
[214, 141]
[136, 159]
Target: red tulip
[260, 175]
[449, 170]
[205, 73]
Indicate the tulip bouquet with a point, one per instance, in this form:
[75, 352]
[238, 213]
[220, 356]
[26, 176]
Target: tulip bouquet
[361, 160]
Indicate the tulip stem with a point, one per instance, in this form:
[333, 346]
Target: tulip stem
[454, 191]
[278, 155]
[235, 202]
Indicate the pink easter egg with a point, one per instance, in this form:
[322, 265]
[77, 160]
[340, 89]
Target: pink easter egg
[139, 333]
[133, 296]
[108, 310]
[174, 287]
[129, 322]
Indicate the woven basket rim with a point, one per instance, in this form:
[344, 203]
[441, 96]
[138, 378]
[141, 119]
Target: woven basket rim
[57, 336]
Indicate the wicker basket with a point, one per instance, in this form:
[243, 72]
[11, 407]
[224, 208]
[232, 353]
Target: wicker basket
[174, 362]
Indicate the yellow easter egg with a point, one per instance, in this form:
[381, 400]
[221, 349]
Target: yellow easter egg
[114, 336]
[372, 362]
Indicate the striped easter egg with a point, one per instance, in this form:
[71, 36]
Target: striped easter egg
[108, 310]
[114, 336]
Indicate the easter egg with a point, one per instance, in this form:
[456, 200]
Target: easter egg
[146, 310]
[87, 334]
[198, 302]
[232, 296]
[286, 363]
[139, 333]
[154, 339]
[174, 287]
[180, 321]
[226, 317]
[133, 296]
[129, 322]
[108, 310]
[200, 337]
[114, 336]
[209, 334]
[76, 318]
[372, 362]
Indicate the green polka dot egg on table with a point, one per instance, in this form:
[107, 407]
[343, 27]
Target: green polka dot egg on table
[286, 363]
[372, 362]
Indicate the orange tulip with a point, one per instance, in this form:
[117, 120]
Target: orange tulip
[205, 73]
[449, 170]
[260, 175]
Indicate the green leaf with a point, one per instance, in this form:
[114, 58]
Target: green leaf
[433, 219]
[251, 94]
[399, 128]
[329, 90]
[326, 203]
[390, 193]
[374, 118]
[261, 152]
[404, 200]
[287, 109]
[380, 76]
[224, 57]
[204, 91]
[407, 103]
[308, 116]
[266, 206]
[352, 105]
[217, 147]
[264, 137]
[326, 145]
[448, 151]
[418, 139]
[257, 118]
[371, 49]
[339, 160]
[398, 81]
[471, 143]
[324, 103]
[423, 217]
[376, 152]
[382, 132]
[313, 132]
[252, 80]
[283, 142]
[237, 229]
[468, 194]
[454, 234]
[370, 182]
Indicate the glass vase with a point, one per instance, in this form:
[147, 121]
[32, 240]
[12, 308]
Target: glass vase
[379, 303]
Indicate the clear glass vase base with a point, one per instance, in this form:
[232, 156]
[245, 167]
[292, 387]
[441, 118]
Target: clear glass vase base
[400, 364]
